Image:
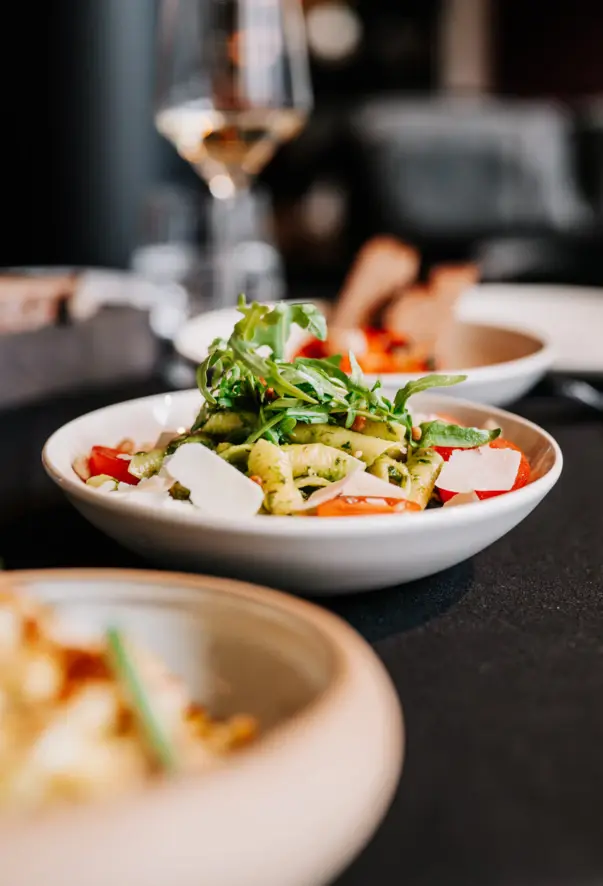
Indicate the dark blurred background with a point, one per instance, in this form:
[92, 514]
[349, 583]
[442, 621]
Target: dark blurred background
[474, 128]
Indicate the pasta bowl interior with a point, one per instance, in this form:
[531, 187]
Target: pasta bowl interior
[308, 555]
[500, 364]
[292, 807]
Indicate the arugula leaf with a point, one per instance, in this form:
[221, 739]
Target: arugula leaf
[282, 385]
[246, 329]
[271, 327]
[356, 376]
[265, 426]
[311, 415]
[320, 382]
[329, 366]
[308, 316]
[423, 384]
[218, 352]
[439, 433]
[287, 425]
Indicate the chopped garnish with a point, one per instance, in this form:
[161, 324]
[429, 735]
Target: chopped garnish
[157, 738]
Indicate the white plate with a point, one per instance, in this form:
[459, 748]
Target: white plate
[310, 555]
[501, 364]
[292, 809]
[570, 317]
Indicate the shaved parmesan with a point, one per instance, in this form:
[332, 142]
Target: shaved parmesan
[483, 470]
[461, 498]
[157, 483]
[216, 487]
[356, 485]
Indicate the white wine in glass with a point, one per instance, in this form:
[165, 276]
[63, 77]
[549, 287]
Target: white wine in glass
[234, 85]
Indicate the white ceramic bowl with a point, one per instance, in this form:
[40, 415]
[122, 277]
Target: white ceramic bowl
[501, 364]
[292, 809]
[312, 556]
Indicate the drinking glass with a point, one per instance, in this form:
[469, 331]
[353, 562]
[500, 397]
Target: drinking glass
[233, 85]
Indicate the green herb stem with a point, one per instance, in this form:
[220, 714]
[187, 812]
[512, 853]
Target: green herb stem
[125, 671]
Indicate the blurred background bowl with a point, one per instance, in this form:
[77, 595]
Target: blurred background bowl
[501, 364]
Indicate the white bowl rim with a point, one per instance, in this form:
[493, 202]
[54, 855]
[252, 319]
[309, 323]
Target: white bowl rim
[343, 641]
[540, 359]
[261, 525]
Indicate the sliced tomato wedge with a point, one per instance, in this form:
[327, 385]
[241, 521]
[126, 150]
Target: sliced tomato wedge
[104, 460]
[346, 506]
[523, 471]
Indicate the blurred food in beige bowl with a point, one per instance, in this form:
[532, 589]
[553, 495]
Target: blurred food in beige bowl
[399, 328]
[291, 806]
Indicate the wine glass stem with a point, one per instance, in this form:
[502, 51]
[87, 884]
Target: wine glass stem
[228, 222]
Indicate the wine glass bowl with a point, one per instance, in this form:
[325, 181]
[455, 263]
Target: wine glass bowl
[233, 84]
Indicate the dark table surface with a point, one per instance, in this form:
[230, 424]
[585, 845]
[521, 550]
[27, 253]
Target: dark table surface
[498, 662]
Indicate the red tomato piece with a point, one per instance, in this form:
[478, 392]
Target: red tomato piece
[523, 471]
[346, 506]
[314, 349]
[446, 451]
[104, 460]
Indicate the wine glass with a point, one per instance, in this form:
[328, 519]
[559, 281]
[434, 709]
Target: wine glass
[233, 85]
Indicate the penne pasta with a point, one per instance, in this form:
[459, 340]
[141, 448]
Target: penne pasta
[361, 446]
[319, 460]
[272, 465]
[423, 467]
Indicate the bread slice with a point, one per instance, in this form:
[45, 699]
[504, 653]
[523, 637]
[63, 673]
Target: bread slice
[383, 266]
[423, 313]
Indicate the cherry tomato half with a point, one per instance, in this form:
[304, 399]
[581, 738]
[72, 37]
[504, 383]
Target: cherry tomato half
[104, 460]
[523, 471]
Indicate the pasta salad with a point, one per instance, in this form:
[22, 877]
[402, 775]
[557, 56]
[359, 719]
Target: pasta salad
[306, 438]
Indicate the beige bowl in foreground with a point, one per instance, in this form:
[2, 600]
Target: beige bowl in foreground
[291, 810]
[313, 555]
